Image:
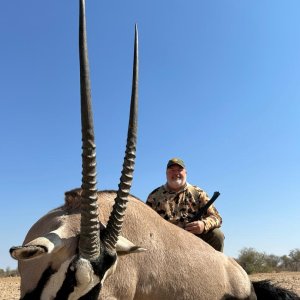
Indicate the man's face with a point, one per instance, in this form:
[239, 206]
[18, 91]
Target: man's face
[176, 177]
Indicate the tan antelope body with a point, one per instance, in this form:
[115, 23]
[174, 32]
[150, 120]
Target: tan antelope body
[176, 265]
[77, 252]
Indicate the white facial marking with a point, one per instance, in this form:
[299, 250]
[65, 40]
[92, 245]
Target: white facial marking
[51, 241]
[86, 279]
[56, 281]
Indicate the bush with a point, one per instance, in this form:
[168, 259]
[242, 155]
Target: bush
[257, 262]
[253, 261]
[295, 259]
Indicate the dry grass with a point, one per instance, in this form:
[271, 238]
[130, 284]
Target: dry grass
[10, 287]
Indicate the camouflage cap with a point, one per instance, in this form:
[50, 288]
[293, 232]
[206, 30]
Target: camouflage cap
[175, 161]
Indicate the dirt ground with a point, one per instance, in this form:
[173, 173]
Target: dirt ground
[288, 280]
[10, 287]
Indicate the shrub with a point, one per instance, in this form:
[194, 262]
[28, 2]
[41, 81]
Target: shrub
[253, 261]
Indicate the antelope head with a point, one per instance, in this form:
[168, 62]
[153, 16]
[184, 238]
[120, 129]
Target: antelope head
[94, 256]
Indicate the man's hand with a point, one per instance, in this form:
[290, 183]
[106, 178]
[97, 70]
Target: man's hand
[196, 227]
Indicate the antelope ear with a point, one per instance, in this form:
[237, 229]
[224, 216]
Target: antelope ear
[26, 252]
[124, 246]
[37, 247]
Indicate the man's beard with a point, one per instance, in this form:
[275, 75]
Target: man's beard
[176, 183]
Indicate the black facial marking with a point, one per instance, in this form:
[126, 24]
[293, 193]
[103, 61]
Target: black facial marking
[93, 294]
[37, 292]
[68, 285]
[104, 263]
[100, 267]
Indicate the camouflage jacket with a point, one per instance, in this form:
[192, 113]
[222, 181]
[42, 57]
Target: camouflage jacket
[179, 207]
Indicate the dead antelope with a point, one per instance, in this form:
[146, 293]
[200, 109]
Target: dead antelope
[70, 254]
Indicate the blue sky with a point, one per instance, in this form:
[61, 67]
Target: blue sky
[219, 87]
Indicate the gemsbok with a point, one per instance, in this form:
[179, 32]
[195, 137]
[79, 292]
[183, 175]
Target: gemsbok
[76, 251]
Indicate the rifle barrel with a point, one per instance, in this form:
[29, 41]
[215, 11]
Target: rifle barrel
[203, 209]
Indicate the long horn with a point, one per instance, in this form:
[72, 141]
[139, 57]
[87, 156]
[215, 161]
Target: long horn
[114, 225]
[89, 242]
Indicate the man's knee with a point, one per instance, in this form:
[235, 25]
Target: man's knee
[219, 239]
[215, 238]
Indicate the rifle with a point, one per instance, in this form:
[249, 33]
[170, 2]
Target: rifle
[202, 211]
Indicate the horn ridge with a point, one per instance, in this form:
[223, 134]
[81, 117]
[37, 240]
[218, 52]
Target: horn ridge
[114, 225]
[89, 241]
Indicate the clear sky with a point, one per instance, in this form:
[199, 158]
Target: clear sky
[219, 87]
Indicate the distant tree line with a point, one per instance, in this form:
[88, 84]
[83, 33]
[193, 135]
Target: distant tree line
[260, 262]
[250, 259]
[8, 272]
